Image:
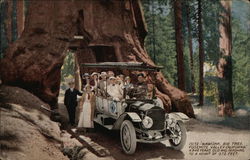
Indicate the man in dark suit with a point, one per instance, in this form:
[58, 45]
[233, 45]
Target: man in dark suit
[70, 101]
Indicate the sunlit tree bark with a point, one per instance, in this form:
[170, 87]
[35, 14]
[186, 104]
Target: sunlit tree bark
[224, 66]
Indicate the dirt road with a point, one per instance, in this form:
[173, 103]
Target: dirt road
[198, 133]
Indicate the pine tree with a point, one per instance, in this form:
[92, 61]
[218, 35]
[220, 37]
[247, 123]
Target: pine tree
[190, 45]
[201, 55]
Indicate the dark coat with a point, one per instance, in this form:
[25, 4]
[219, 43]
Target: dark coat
[70, 98]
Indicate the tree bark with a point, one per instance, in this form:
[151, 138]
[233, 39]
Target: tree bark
[190, 45]
[179, 44]
[20, 17]
[33, 62]
[201, 55]
[9, 20]
[224, 67]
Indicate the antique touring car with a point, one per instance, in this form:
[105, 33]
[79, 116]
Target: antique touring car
[139, 120]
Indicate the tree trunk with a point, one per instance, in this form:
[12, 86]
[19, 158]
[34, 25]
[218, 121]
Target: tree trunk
[20, 17]
[201, 55]
[225, 62]
[77, 73]
[33, 62]
[179, 44]
[153, 29]
[190, 45]
[14, 21]
[9, 20]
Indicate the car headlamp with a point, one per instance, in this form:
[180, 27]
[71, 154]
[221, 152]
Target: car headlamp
[147, 122]
[171, 122]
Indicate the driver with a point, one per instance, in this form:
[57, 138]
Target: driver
[141, 87]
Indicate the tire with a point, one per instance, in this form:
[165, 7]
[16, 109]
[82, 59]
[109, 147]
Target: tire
[128, 137]
[182, 134]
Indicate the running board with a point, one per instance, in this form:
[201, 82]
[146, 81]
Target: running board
[99, 121]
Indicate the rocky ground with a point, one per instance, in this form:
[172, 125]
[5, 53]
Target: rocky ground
[28, 134]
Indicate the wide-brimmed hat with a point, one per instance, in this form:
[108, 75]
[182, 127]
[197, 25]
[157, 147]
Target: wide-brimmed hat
[141, 74]
[85, 75]
[94, 73]
[103, 73]
[127, 78]
[112, 77]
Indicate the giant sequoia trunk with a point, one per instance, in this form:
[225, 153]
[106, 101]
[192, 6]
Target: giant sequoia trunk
[225, 62]
[115, 33]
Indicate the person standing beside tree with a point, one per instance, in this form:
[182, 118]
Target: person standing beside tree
[87, 107]
[70, 101]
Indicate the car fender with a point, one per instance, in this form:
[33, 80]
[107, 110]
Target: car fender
[131, 115]
[178, 116]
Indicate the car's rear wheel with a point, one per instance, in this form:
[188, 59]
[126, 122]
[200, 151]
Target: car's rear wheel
[179, 136]
[128, 137]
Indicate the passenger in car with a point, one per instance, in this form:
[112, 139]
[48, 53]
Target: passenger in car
[128, 86]
[114, 90]
[102, 85]
[94, 80]
[110, 74]
[150, 95]
[120, 79]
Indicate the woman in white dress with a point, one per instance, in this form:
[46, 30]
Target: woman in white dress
[86, 109]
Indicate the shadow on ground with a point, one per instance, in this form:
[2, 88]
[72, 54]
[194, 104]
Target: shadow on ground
[110, 140]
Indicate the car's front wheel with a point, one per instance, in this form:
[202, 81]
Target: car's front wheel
[128, 137]
[178, 138]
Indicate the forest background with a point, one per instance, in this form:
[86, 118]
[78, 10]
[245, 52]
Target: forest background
[160, 44]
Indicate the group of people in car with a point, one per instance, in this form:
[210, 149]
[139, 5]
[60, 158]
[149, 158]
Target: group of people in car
[118, 87]
[105, 84]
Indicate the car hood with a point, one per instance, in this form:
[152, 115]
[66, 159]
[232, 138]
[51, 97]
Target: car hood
[144, 106]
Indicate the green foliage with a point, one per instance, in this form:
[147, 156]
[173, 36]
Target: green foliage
[241, 65]
[164, 39]
[211, 32]
[3, 34]
[188, 83]
[159, 14]
[67, 70]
